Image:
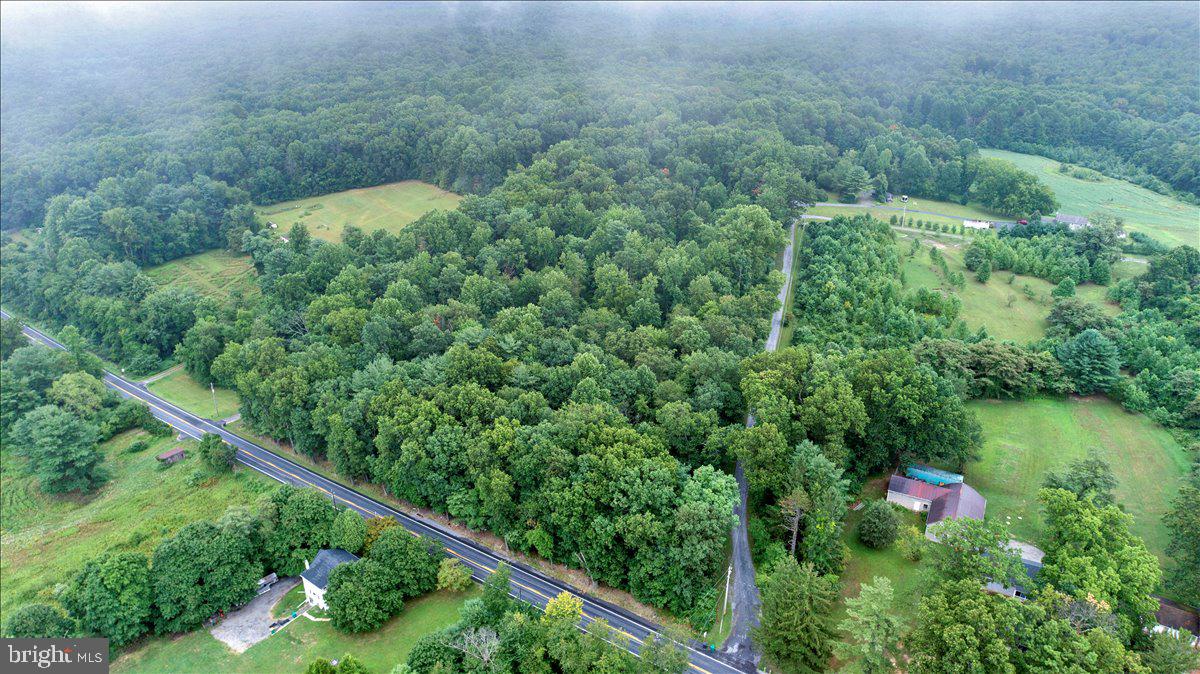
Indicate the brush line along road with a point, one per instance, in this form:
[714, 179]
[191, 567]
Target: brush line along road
[527, 584]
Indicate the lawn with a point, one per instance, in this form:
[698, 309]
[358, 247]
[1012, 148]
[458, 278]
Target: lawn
[865, 563]
[1023, 440]
[386, 207]
[46, 539]
[302, 641]
[1164, 218]
[217, 274]
[179, 388]
[1000, 306]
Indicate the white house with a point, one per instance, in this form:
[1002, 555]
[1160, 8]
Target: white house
[316, 575]
[977, 224]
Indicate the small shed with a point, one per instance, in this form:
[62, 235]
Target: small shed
[977, 224]
[172, 455]
[932, 475]
[316, 575]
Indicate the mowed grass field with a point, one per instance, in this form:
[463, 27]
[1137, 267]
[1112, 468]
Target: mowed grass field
[45, 539]
[387, 207]
[179, 388]
[1024, 440]
[988, 304]
[302, 641]
[216, 274]
[1164, 218]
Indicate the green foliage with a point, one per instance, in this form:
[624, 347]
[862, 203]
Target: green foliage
[912, 544]
[1003, 187]
[975, 550]
[872, 630]
[375, 528]
[1183, 521]
[1065, 288]
[1088, 478]
[299, 525]
[797, 630]
[1090, 552]
[453, 575]
[1091, 361]
[959, 628]
[362, 596]
[984, 271]
[1171, 653]
[879, 526]
[39, 621]
[349, 531]
[111, 597]
[411, 562]
[205, 568]
[217, 455]
[61, 449]
[11, 337]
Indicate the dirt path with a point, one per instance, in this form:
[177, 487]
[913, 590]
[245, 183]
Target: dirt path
[746, 599]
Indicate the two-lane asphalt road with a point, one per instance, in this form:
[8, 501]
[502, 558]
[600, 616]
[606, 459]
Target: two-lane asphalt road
[527, 584]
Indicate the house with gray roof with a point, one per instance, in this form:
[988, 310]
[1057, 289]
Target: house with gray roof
[1073, 222]
[316, 575]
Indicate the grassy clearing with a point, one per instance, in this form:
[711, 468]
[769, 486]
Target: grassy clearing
[1024, 440]
[387, 207]
[46, 539]
[217, 274]
[1164, 218]
[949, 213]
[1001, 307]
[298, 644]
[179, 388]
[865, 563]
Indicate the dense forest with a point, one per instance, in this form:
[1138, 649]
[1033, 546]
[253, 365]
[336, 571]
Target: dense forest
[368, 101]
[568, 358]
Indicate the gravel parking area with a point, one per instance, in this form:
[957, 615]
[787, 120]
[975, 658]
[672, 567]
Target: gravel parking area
[252, 623]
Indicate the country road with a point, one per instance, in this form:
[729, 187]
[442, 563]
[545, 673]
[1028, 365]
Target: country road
[527, 584]
[746, 599]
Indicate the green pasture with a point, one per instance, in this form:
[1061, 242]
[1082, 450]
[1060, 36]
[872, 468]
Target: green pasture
[217, 274]
[387, 207]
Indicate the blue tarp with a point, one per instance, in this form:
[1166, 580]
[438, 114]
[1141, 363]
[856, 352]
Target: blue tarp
[932, 475]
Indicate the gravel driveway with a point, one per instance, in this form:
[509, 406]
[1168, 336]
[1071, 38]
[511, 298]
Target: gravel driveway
[251, 623]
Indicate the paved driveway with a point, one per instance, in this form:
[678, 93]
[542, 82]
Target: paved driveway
[252, 623]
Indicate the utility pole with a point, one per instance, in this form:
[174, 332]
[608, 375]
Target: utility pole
[213, 389]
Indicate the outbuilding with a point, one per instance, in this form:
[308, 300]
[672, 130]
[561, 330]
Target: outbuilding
[913, 494]
[172, 455]
[316, 575]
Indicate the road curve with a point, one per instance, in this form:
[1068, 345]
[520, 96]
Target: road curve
[527, 584]
[746, 599]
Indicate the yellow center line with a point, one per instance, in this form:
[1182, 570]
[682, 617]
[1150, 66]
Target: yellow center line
[363, 509]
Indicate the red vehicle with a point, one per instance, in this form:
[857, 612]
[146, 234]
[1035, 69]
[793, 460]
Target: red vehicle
[1022, 222]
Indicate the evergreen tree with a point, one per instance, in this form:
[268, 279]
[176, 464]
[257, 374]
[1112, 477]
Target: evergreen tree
[872, 630]
[1065, 288]
[1091, 361]
[797, 628]
[984, 272]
